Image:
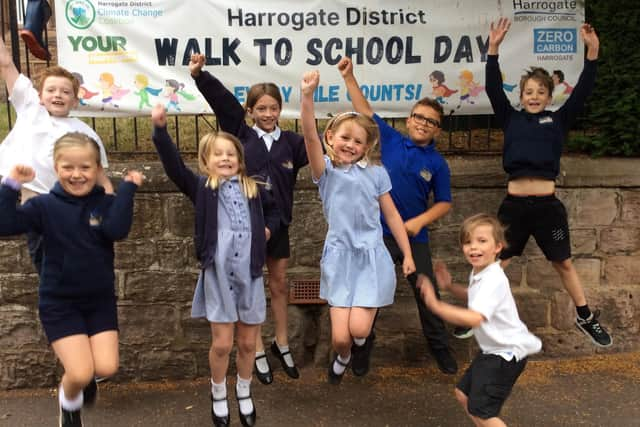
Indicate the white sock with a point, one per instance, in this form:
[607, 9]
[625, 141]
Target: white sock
[70, 404]
[338, 368]
[287, 357]
[261, 363]
[243, 389]
[359, 341]
[219, 391]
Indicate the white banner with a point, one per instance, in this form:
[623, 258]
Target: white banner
[130, 55]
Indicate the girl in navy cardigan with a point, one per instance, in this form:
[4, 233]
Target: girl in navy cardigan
[274, 155]
[234, 219]
[76, 299]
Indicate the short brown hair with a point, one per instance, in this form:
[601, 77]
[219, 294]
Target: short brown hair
[431, 103]
[470, 224]
[56, 71]
[539, 75]
[258, 90]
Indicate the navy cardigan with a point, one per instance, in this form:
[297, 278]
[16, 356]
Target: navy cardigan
[262, 209]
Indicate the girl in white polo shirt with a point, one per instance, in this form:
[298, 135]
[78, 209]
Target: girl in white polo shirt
[505, 341]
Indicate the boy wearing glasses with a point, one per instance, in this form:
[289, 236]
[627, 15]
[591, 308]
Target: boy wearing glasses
[416, 169]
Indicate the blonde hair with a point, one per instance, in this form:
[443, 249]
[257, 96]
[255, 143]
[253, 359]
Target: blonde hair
[76, 139]
[142, 79]
[367, 123]
[207, 142]
[472, 222]
[56, 71]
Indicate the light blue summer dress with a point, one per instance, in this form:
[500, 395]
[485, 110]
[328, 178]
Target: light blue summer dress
[356, 268]
[225, 292]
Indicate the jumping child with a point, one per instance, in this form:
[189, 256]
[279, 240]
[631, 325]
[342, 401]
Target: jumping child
[274, 155]
[230, 238]
[504, 341]
[78, 223]
[357, 272]
[533, 140]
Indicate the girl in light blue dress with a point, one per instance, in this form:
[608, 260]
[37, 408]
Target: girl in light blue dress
[234, 218]
[357, 272]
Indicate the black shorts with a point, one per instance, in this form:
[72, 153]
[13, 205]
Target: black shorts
[64, 317]
[488, 382]
[278, 244]
[543, 217]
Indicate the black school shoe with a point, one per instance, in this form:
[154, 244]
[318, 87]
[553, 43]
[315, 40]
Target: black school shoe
[69, 418]
[446, 363]
[250, 419]
[219, 421]
[592, 328]
[265, 378]
[332, 377]
[292, 371]
[361, 356]
[462, 333]
[89, 393]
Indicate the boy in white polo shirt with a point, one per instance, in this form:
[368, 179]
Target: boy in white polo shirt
[42, 118]
[505, 341]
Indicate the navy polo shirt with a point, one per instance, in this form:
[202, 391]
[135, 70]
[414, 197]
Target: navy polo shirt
[415, 172]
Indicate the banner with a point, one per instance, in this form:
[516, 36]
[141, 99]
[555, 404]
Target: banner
[131, 55]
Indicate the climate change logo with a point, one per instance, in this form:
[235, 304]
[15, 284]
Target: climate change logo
[80, 14]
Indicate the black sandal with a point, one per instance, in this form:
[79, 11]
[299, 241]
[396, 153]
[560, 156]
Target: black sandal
[334, 378]
[292, 371]
[265, 378]
[250, 419]
[219, 421]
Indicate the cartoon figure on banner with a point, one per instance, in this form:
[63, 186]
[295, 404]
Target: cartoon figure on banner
[561, 89]
[173, 88]
[439, 90]
[141, 82]
[110, 90]
[83, 92]
[468, 87]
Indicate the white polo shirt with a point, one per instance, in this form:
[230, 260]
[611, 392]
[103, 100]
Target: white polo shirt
[503, 333]
[31, 140]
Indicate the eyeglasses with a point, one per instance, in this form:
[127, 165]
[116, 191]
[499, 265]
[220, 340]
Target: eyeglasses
[425, 121]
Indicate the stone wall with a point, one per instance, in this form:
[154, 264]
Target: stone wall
[156, 273]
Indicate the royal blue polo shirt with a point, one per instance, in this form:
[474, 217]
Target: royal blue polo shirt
[415, 171]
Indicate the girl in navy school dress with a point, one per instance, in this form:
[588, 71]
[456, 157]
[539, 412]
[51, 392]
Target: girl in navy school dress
[357, 272]
[275, 156]
[234, 218]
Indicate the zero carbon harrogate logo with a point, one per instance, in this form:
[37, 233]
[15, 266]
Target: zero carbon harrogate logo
[80, 13]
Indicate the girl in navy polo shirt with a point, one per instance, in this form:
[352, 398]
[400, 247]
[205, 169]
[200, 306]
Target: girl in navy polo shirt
[357, 274]
[234, 218]
[78, 223]
[275, 156]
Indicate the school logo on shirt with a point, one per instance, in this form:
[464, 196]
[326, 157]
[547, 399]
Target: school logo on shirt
[287, 165]
[95, 219]
[426, 175]
[545, 119]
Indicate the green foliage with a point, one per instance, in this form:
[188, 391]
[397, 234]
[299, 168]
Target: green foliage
[612, 118]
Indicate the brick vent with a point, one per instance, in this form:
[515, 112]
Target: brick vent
[305, 292]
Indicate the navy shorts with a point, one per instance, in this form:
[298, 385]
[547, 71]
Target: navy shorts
[487, 383]
[278, 244]
[543, 217]
[65, 317]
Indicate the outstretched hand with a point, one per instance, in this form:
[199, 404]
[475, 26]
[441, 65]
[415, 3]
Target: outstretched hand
[196, 63]
[498, 31]
[159, 116]
[345, 66]
[591, 40]
[443, 277]
[310, 81]
[134, 176]
[22, 173]
[426, 290]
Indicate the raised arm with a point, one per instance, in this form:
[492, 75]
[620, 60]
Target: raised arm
[229, 112]
[13, 218]
[493, 77]
[359, 102]
[117, 224]
[310, 81]
[8, 69]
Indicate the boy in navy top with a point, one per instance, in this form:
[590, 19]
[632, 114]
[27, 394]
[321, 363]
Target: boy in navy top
[416, 170]
[533, 140]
